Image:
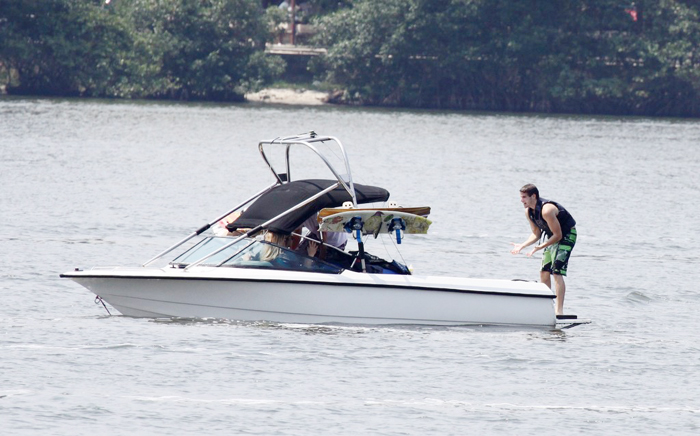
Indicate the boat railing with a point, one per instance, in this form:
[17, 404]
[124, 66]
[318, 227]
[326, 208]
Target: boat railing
[306, 140]
[107, 268]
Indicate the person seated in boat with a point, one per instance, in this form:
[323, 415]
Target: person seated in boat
[272, 252]
[227, 226]
[315, 243]
[280, 256]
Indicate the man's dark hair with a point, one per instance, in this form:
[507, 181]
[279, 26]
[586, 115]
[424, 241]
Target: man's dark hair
[530, 189]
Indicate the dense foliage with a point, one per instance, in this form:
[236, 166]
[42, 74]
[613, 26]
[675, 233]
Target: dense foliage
[587, 56]
[189, 49]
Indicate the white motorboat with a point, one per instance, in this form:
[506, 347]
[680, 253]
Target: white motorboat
[241, 276]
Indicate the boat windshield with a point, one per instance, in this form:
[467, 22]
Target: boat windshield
[261, 254]
[210, 245]
[251, 253]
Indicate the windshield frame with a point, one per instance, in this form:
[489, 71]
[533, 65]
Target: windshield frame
[232, 256]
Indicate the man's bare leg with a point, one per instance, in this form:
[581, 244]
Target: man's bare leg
[560, 290]
[546, 278]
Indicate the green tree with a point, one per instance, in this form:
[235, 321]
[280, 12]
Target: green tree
[668, 82]
[186, 49]
[212, 49]
[62, 47]
[596, 56]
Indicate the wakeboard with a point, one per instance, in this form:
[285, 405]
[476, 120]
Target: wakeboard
[374, 221]
[568, 321]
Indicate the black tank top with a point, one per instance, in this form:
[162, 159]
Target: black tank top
[566, 221]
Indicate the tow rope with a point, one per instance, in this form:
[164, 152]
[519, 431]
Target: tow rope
[99, 300]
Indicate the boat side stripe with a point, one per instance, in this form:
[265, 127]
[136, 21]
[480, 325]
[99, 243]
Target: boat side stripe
[308, 282]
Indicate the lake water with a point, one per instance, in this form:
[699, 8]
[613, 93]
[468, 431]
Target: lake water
[85, 183]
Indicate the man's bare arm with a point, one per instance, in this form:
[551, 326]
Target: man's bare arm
[534, 236]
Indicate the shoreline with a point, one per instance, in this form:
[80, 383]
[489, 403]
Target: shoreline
[289, 96]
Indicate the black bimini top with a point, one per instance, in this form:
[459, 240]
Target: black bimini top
[285, 196]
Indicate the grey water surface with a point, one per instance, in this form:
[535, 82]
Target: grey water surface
[87, 183]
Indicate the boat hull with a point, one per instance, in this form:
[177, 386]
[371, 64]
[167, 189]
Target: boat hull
[290, 297]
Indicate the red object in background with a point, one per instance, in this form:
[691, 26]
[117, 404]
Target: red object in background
[633, 13]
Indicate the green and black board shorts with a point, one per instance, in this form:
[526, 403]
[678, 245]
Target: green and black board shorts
[555, 258]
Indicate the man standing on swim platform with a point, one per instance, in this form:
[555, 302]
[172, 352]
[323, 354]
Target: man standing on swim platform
[560, 227]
